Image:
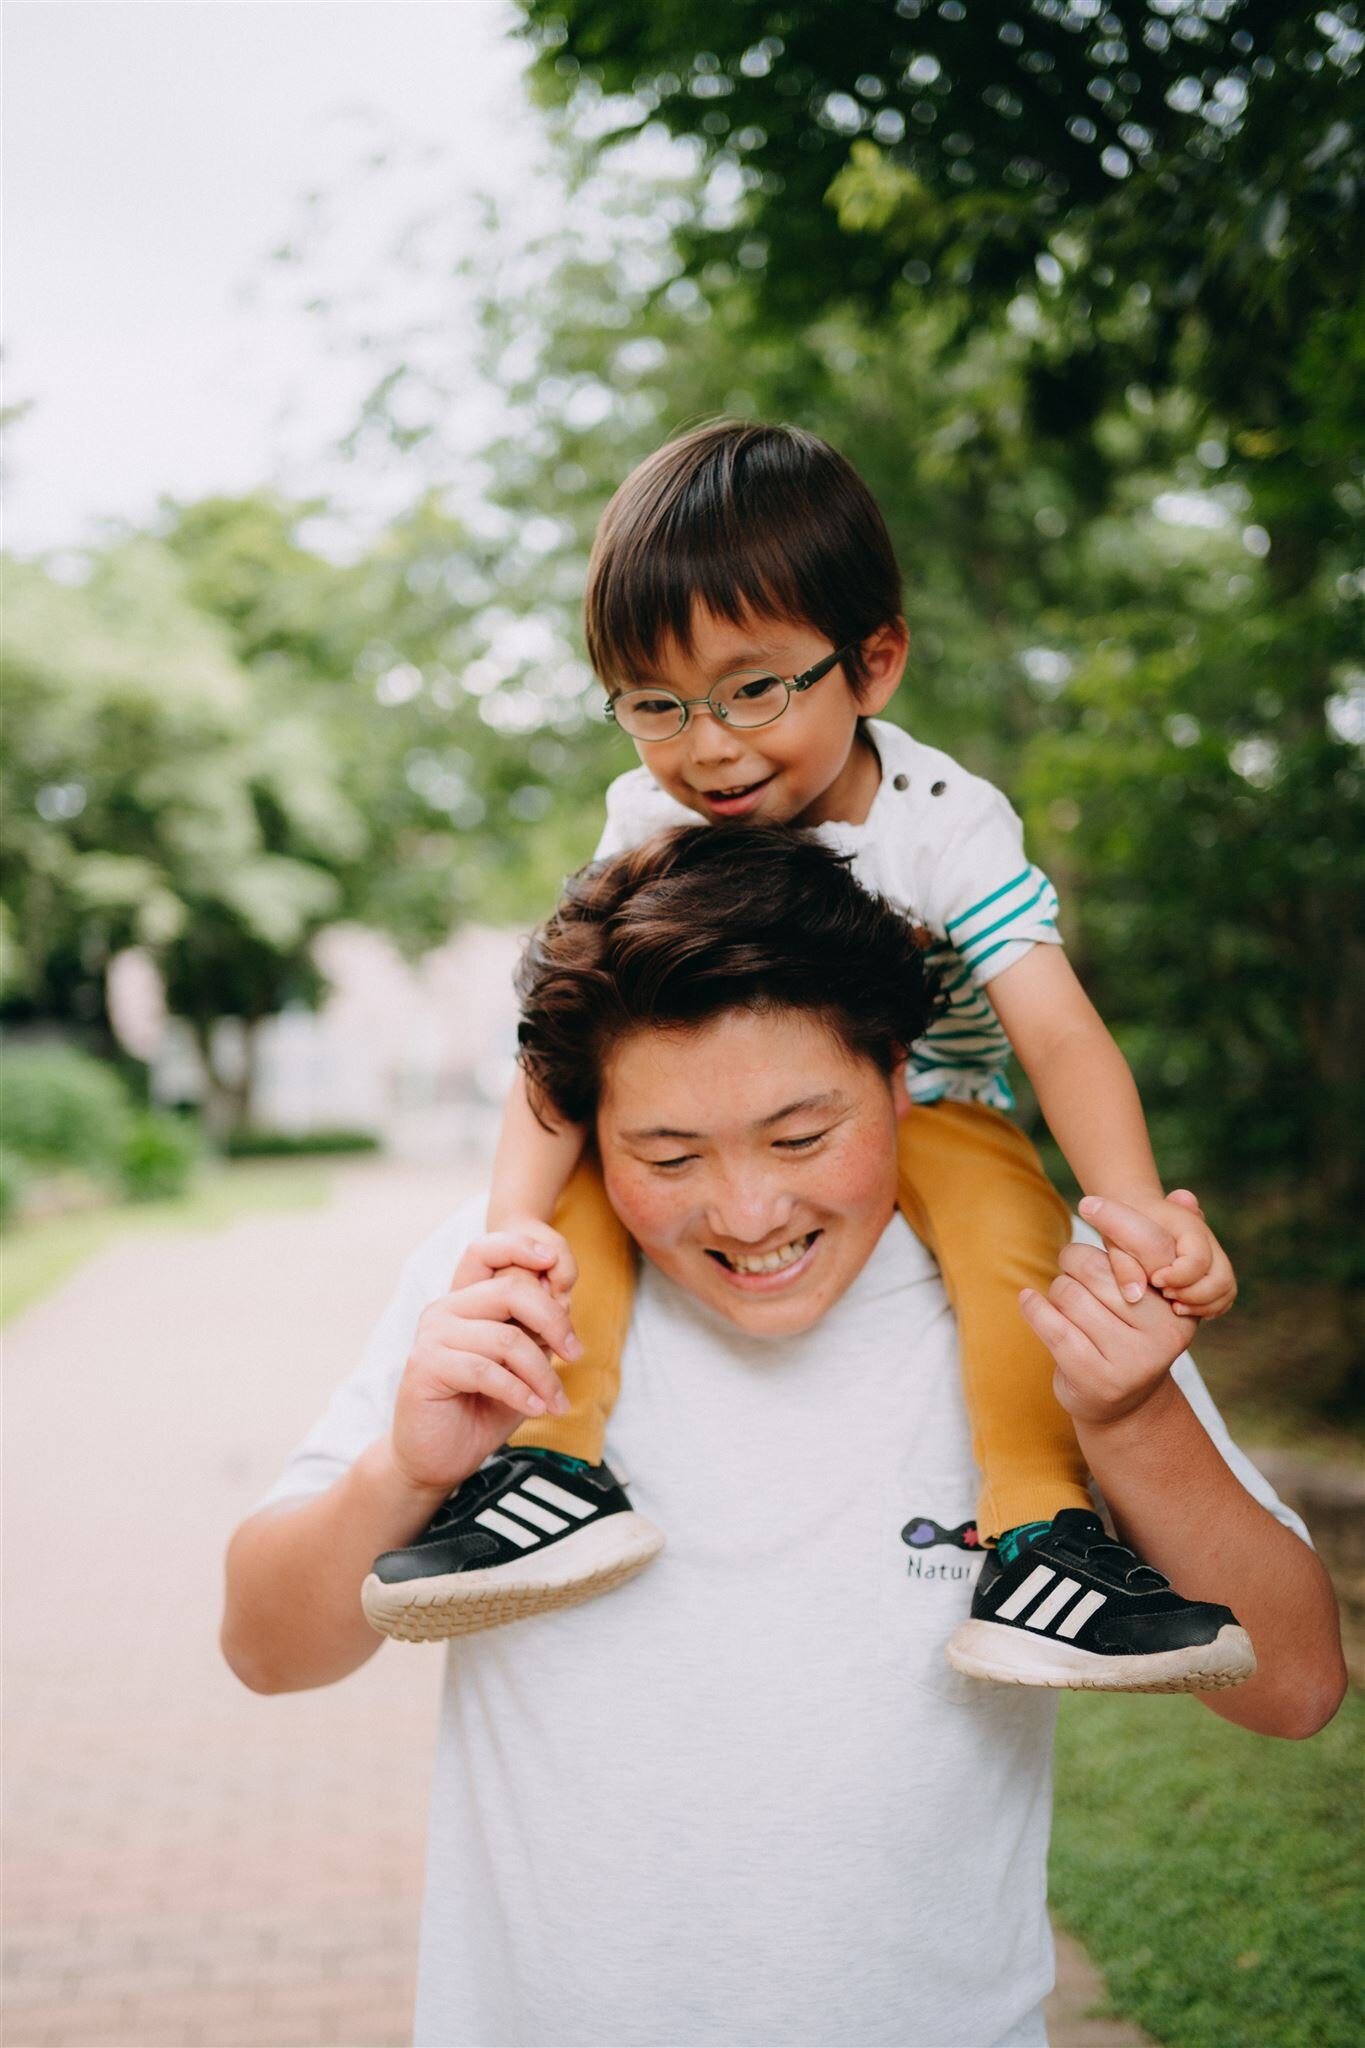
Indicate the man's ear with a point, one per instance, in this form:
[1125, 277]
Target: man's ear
[900, 1093]
[884, 658]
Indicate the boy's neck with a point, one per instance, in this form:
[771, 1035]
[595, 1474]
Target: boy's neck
[853, 791]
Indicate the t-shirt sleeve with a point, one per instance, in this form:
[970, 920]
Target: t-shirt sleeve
[987, 898]
[361, 1409]
[1186, 1376]
[616, 836]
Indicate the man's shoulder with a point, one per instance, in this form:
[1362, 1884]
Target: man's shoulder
[436, 1258]
[361, 1407]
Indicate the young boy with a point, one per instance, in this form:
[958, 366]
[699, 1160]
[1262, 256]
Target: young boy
[743, 612]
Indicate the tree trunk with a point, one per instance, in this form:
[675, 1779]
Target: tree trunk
[228, 1101]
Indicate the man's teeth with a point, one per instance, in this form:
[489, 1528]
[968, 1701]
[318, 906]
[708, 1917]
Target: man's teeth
[770, 1262]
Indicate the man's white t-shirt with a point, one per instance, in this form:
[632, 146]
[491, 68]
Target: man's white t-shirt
[943, 846]
[742, 1801]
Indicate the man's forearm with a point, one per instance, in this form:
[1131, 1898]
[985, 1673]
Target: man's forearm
[292, 1617]
[1173, 1497]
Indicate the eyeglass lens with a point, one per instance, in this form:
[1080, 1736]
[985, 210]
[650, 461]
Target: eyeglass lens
[750, 697]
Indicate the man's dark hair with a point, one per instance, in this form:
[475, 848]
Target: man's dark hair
[706, 919]
[737, 517]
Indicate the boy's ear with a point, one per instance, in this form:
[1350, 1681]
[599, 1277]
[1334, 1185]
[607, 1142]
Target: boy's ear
[884, 658]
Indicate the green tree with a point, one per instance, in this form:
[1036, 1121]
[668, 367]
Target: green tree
[145, 801]
[434, 664]
[1200, 160]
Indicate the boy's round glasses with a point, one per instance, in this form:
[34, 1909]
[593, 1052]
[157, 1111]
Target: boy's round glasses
[749, 697]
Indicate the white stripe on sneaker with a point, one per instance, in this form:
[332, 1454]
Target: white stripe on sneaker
[1041, 1575]
[532, 1512]
[545, 1489]
[503, 1525]
[1081, 1613]
[1054, 1603]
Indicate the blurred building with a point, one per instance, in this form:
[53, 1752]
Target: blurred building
[420, 1054]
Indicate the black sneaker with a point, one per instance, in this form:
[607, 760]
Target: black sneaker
[531, 1530]
[1077, 1609]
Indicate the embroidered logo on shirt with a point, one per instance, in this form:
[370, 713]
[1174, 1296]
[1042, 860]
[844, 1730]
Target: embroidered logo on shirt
[922, 1533]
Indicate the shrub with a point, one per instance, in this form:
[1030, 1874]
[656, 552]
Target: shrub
[297, 1145]
[60, 1107]
[12, 1183]
[159, 1156]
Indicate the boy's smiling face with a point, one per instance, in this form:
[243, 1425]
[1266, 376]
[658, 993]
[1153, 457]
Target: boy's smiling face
[810, 766]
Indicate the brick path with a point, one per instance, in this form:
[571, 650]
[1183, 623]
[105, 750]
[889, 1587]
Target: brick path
[188, 1864]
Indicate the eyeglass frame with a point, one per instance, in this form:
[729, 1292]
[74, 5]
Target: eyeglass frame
[795, 686]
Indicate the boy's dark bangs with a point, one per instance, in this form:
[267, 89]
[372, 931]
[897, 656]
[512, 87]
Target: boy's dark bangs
[743, 521]
[654, 590]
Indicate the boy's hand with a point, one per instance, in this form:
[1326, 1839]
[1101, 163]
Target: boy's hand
[1111, 1354]
[561, 1273]
[1196, 1278]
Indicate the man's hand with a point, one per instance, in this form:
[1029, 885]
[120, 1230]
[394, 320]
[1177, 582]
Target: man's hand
[1196, 1275]
[1111, 1354]
[481, 1362]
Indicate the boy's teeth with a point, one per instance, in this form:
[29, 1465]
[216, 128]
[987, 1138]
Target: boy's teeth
[770, 1262]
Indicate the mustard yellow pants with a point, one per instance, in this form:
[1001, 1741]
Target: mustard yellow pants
[972, 1187]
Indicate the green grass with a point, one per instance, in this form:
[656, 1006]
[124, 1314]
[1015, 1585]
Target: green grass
[36, 1257]
[1215, 1876]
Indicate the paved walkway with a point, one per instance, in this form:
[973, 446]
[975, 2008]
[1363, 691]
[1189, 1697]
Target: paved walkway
[190, 1866]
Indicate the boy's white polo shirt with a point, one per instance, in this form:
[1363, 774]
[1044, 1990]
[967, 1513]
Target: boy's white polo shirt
[742, 1802]
[947, 849]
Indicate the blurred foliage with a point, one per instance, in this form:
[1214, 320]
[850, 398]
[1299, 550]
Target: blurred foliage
[144, 800]
[13, 1181]
[63, 1109]
[1184, 176]
[213, 752]
[299, 1145]
[159, 1157]
[398, 657]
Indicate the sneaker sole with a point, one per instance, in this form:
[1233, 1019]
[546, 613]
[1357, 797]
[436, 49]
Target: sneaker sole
[984, 1649]
[590, 1562]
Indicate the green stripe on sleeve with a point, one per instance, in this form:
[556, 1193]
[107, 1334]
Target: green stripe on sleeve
[986, 901]
[1010, 917]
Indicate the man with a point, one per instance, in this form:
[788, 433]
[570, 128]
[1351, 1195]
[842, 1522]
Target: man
[745, 1799]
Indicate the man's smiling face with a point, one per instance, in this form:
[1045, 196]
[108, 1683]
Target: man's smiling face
[753, 1160]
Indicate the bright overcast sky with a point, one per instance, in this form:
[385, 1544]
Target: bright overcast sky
[156, 151]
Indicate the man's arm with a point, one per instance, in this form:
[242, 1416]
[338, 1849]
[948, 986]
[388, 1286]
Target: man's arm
[480, 1364]
[1172, 1496]
[292, 1617]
